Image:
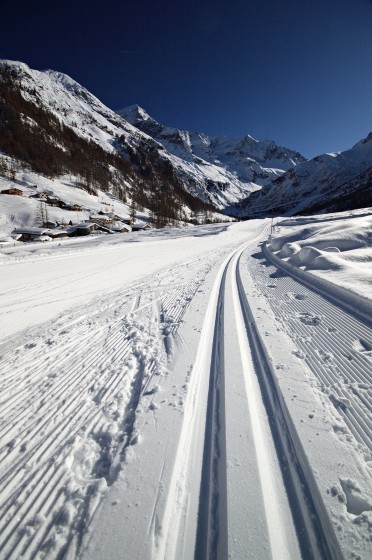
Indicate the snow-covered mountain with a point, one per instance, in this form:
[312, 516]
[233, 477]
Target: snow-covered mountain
[329, 182]
[57, 126]
[51, 123]
[223, 169]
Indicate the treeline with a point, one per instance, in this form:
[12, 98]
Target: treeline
[163, 193]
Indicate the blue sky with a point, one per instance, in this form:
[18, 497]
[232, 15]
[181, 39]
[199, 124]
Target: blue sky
[297, 72]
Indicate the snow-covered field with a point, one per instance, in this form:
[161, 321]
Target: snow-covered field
[183, 393]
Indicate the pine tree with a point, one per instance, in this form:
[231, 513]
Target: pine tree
[41, 216]
[133, 210]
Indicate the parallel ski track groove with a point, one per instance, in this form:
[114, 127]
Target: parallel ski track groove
[211, 536]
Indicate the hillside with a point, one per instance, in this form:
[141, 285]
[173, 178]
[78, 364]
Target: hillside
[54, 129]
[54, 125]
[51, 125]
[329, 182]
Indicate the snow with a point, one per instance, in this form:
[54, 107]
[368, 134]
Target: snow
[320, 183]
[153, 383]
[335, 247]
[236, 166]
[22, 211]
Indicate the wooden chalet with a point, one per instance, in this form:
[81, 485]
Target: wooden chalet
[31, 233]
[119, 227]
[12, 190]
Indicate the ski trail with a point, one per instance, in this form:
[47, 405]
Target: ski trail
[334, 344]
[211, 536]
[168, 540]
[296, 522]
[181, 527]
[277, 534]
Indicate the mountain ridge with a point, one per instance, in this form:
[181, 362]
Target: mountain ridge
[235, 165]
[150, 169]
[332, 181]
[51, 122]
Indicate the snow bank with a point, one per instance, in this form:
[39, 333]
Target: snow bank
[336, 247]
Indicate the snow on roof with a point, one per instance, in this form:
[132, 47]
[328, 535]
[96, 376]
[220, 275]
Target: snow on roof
[31, 230]
[7, 239]
[84, 225]
[120, 226]
[44, 238]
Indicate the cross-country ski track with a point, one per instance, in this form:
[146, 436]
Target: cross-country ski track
[173, 418]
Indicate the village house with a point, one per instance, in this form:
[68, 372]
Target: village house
[140, 226]
[72, 207]
[78, 230]
[13, 190]
[119, 227]
[50, 224]
[53, 201]
[32, 233]
[41, 195]
[8, 240]
[101, 218]
[124, 219]
[58, 233]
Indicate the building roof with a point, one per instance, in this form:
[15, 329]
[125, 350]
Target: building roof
[141, 225]
[119, 226]
[32, 230]
[10, 190]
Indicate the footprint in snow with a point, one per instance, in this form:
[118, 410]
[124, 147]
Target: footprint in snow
[325, 356]
[292, 295]
[363, 346]
[310, 319]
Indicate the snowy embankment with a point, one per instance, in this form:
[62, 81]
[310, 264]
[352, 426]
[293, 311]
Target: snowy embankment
[155, 389]
[335, 247]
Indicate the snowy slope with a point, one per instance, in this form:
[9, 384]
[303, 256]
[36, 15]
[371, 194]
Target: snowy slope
[73, 104]
[23, 211]
[336, 247]
[227, 168]
[335, 181]
[76, 120]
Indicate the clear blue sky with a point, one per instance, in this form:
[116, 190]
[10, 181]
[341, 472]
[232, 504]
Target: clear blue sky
[296, 71]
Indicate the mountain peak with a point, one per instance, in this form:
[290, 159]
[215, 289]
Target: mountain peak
[134, 113]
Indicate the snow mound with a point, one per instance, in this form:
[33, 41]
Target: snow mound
[335, 246]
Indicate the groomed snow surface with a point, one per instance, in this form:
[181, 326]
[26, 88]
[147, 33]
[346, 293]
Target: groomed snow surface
[192, 393]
